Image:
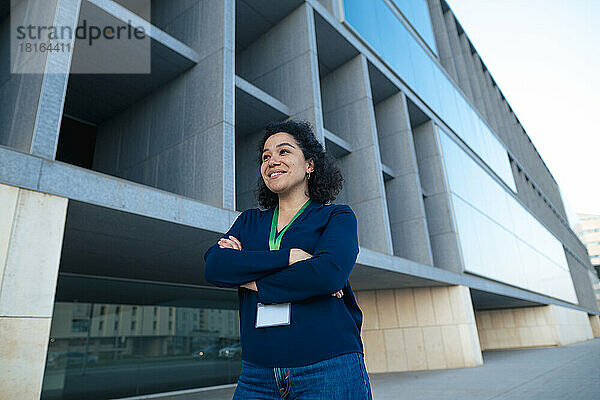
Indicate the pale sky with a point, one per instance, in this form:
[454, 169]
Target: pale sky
[545, 57]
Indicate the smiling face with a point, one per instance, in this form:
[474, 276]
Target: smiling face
[283, 165]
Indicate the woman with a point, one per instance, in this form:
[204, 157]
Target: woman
[299, 321]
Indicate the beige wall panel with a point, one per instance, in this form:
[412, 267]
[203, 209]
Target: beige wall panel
[595, 324]
[8, 203]
[532, 327]
[395, 349]
[31, 233]
[386, 309]
[405, 306]
[419, 329]
[424, 307]
[23, 348]
[376, 361]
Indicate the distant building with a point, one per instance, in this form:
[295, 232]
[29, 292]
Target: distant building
[588, 231]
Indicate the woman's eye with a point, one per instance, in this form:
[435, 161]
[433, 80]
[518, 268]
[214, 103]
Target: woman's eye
[265, 157]
[283, 150]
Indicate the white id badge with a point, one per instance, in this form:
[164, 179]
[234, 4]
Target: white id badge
[272, 314]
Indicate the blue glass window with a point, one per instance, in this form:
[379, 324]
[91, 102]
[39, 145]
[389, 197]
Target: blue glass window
[387, 35]
[499, 238]
[417, 14]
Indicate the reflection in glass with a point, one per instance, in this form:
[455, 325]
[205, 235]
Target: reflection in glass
[387, 35]
[417, 13]
[108, 349]
[499, 238]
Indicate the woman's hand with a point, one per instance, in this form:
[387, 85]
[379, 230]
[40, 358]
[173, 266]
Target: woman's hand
[301, 255]
[298, 255]
[295, 256]
[231, 243]
[250, 285]
[234, 243]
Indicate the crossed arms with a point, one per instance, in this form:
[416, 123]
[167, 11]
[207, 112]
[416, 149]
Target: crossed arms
[288, 274]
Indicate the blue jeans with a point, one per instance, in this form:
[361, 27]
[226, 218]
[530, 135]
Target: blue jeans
[341, 377]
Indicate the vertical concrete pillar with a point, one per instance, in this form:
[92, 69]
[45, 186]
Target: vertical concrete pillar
[549, 325]
[31, 234]
[247, 169]
[530, 195]
[515, 137]
[475, 86]
[348, 112]
[20, 94]
[502, 115]
[525, 149]
[32, 102]
[493, 96]
[438, 206]
[181, 137]
[331, 6]
[508, 138]
[54, 86]
[419, 329]
[403, 192]
[441, 37]
[459, 62]
[284, 64]
[478, 70]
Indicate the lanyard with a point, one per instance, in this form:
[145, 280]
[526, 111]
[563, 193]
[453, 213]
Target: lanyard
[275, 242]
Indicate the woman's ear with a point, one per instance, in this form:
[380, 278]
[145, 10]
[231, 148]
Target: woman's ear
[311, 165]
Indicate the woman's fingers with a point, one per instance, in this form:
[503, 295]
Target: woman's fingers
[298, 255]
[250, 285]
[305, 255]
[236, 241]
[227, 244]
[338, 294]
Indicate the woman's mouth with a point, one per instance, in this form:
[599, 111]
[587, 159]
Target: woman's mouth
[275, 174]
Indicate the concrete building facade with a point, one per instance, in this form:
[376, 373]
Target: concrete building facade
[113, 186]
[588, 231]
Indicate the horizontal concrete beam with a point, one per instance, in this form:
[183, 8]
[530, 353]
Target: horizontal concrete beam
[388, 172]
[425, 275]
[374, 269]
[338, 146]
[54, 177]
[261, 95]
[123, 14]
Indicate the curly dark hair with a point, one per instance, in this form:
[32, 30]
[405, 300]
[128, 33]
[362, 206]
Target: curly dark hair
[325, 181]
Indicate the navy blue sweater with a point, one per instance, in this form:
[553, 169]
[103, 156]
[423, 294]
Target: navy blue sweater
[322, 326]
